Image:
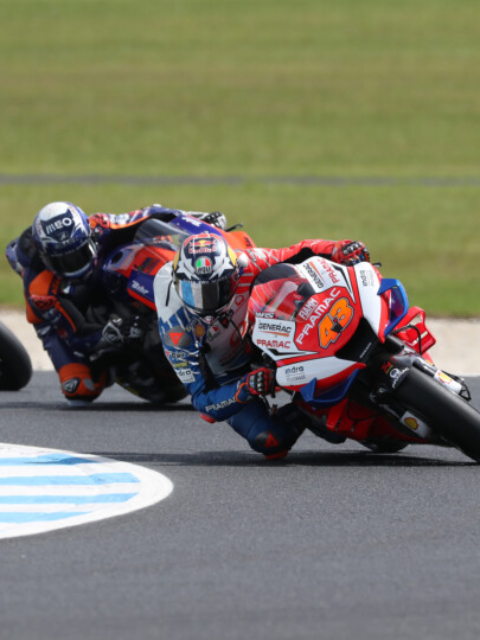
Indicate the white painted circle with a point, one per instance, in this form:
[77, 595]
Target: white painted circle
[46, 489]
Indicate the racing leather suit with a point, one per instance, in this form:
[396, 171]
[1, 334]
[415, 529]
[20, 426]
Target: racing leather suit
[57, 306]
[210, 358]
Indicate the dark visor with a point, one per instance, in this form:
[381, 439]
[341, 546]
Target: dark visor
[70, 264]
[206, 298]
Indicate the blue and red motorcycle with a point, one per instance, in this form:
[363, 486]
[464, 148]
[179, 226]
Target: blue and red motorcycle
[131, 353]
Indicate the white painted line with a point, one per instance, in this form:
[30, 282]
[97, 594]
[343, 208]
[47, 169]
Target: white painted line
[46, 489]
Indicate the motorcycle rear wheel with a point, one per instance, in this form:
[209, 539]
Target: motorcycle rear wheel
[449, 415]
[15, 363]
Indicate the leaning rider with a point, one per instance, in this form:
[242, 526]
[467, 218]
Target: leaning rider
[202, 300]
[57, 258]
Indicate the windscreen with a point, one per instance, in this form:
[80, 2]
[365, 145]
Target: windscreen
[154, 231]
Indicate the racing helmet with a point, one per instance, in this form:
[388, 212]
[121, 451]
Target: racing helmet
[63, 237]
[206, 273]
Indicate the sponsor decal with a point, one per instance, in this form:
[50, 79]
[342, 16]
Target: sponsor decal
[70, 386]
[199, 331]
[386, 367]
[294, 374]
[330, 270]
[366, 278]
[220, 405]
[419, 427]
[307, 309]
[274, 344]
[394, 373]
[176, 355]
[177, 337]
[185, 375]
[203, 265]
[136, 286]
[276, 327]
[201, 245]
[264, 314]
[295, 369]
[317, 313]
[444, 378]
[411, 423]
[50, 227]
[274, 334]
[449, 382]
[314, 275]
[299, 373]
[213, 333]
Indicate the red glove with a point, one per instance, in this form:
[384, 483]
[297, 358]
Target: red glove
[259, 382]
[350, 252]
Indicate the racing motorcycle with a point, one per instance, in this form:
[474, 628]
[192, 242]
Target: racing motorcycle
[15, 363]
[346, 345]
[130, 351]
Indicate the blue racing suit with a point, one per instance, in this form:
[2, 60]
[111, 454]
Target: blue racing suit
[210, 359]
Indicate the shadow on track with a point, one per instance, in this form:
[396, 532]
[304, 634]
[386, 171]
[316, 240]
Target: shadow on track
[100, 407]
[307, 458]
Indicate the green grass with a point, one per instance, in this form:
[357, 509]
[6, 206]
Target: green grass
[256, 88]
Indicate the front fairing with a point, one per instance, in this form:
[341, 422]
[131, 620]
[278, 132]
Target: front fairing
[319, 308]
[321, 323]
[129, 271]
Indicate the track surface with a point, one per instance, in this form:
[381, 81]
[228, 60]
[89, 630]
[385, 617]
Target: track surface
[335, 543]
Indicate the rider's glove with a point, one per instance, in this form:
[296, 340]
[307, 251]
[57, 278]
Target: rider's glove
[135, 329]
[259, 382]
[216, 219]
[112, 332]
[350, 252]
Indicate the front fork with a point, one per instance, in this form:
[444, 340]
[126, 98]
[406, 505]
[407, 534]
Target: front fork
[392, 368]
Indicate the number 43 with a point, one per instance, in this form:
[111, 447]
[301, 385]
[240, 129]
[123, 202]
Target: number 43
[334, 322]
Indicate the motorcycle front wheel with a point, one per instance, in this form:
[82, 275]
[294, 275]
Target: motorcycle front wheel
[447, 414]
[15, 363]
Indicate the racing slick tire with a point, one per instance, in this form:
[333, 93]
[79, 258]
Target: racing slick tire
[15, 363]
[447, 414]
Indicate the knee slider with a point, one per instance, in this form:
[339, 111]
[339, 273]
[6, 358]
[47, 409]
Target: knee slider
[270, 444]
[77, 383]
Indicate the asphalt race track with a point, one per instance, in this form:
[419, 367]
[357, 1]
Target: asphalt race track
[334, 543]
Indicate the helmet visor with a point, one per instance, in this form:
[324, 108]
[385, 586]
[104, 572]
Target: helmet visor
[205, 298]
[72, 263]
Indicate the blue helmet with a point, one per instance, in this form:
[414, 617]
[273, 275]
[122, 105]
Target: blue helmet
[63, 236]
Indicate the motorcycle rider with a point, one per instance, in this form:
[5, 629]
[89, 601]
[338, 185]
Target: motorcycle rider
[201, 300]
[57, 258]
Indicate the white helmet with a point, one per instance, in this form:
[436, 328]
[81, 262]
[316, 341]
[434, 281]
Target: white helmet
[206, 273]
